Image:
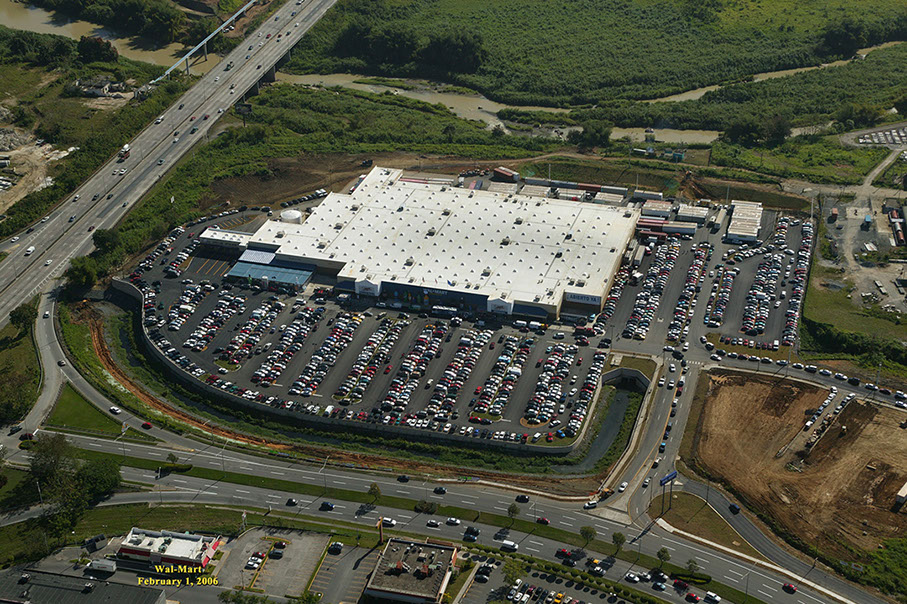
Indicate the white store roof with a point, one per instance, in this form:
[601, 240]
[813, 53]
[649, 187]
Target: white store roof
[500, 245]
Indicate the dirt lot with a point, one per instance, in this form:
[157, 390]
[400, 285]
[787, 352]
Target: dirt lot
[294, 176]
[843, 493]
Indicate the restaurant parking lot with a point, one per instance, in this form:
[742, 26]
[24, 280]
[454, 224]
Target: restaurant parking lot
[475, 376]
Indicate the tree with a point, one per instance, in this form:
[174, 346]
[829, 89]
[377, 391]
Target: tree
[776, 129]
[854, 115]
[663, 555]
[98, 478]
[901, 105]
[23, 317]
[513, 511]
[106, 239]
[512, 570]
[498, 131]
[845, 37]
[618, 539]
[374, 491]
[588, 533]
[449, 131]
[595, 133]
[744, 130]
[457, 51]
[172, 458]
[52, 458]
[692, 565]
[94, 48]
[82, 272]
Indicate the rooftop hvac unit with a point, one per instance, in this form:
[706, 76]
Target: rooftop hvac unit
[581, 283]
[505, 241]
[338, 225]
[452, 283]
[445, 212]
[486, 271]
[355, 207]
[322, 245]
[281, 234]
[519, 220]
[431, 232]
[410, 261]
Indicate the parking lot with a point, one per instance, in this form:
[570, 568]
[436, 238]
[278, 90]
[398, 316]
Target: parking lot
[463, 374]
[278, 561]
[343, 574]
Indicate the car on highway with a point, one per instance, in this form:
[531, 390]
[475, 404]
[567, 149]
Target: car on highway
[14, 240]
[95, 196]
[631, 578]
[453, 521]
[159, 120]
[47, 262]
[388, 522]
[146, 425]
[45, 219]
[646, 482]
[402, 478]
[522, 498]
[115, 410]
[433, 523]
[192, 119]
[72, 218]
[176, 140]
[440, 490]
[61, 363]
[590, 505]
[691, 597]
[326, 506]
[542, 520]
[160, 162]
[206, 116]
[622, 487]
[789, 588]
[194, 130]
[291, 502]
[46, 314]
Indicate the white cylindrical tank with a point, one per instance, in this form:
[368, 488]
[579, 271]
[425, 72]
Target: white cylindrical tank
[292, 216]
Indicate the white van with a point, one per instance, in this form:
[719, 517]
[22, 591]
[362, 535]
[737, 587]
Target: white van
[30, 250]
[509, 546]
[711, 596]
[519, 323]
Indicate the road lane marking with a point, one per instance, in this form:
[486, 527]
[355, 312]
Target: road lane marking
[279, 473]
[241, 491]
[734, 579]
[764, 593]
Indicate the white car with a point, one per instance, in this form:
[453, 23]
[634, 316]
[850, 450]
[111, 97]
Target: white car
[47, 262]
[646, 482]
[632, 578]
[390, 522]
[590, 504]
[433, 523]
[115, 410]
[622, 487]
[453, 521]
[672, 368]
[14, 240]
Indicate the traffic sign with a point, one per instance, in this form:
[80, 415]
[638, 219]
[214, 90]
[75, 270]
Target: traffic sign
[668, 478]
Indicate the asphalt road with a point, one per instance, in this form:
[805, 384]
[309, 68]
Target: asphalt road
[198, 491]
[59, 239]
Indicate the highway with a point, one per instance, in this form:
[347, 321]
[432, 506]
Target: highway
[58, 239]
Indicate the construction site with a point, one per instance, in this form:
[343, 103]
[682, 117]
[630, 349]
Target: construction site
[836, 491]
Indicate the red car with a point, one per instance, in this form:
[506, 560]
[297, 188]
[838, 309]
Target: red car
[207, 115]
[541, 520]
[562, 553]
[691, 597]
[579, 361]
[681, 585]
[146, 425]
[192, 119]
[388, 369]
[790, 588]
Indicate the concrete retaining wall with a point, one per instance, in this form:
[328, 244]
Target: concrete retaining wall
[333, 425]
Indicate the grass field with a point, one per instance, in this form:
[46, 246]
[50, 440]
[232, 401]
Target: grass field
[646, 366]
[827, 302]
[73, 413]
[19, 374]
[11, 494]
[556, 52]
[693, 515]
[822, 160]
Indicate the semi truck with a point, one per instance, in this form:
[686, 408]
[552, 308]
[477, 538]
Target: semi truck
[104, 565]
[124, 152]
